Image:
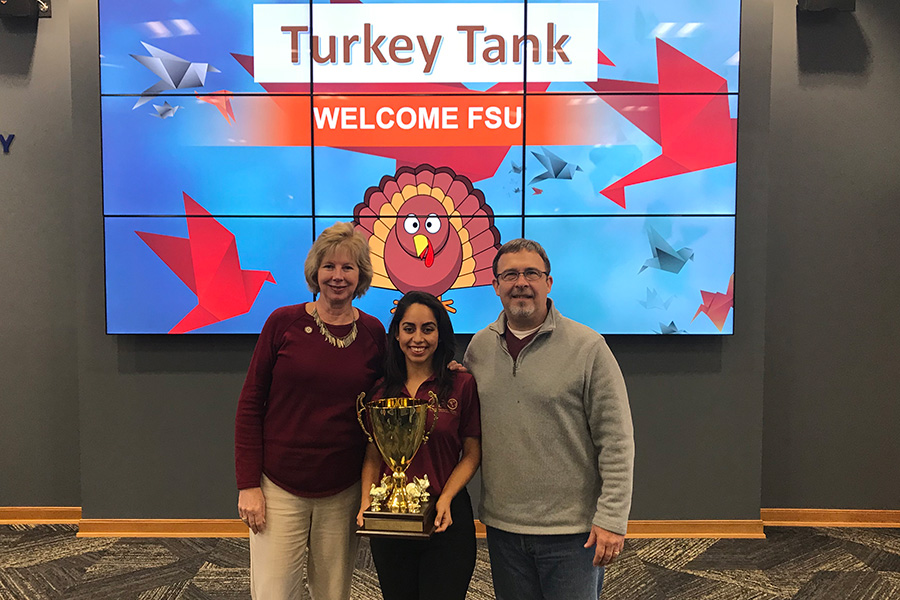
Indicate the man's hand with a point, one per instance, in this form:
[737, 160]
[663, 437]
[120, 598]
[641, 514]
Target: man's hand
[608, 545]
[457, 367]
[252, 508]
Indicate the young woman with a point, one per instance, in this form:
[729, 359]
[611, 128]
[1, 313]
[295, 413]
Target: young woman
[420, 346]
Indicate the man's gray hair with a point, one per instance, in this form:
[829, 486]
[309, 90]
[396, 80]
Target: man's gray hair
[521, 245]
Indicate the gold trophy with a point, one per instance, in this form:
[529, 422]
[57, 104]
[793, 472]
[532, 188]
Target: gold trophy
[398, 508]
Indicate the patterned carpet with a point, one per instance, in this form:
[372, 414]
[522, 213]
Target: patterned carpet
[48, 561]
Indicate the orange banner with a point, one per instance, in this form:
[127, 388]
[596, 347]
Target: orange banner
[428, 121]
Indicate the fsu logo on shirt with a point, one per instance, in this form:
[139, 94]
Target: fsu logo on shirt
[449, 406]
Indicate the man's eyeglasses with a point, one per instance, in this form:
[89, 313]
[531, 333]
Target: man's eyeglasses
[513, 275]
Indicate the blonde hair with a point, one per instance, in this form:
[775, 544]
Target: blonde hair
[339, 235]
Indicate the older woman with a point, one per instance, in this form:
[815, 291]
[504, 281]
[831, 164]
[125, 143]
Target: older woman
[298, 446]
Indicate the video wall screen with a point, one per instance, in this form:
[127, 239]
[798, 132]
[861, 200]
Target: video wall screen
[235, 132]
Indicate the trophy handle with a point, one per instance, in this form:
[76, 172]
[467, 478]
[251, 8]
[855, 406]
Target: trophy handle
[360, 408]
[433, 407]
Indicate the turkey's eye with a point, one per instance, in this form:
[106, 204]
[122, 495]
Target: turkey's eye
[432, 223]
[411, 224]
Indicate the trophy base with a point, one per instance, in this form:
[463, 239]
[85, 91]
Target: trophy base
[399, 525]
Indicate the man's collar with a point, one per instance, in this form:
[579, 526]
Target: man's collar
[549, 324]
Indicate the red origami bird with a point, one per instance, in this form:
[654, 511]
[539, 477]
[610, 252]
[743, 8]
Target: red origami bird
[222, 101]
[717, 305]
[207, 262]
[695, 130]
[428, 230]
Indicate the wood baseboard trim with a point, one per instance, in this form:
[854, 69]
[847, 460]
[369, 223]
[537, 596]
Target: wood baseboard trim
[770, 517]
[737, 529]
[480, 530]
[829, 517]
[681, 529]
[232, 528]
[39, 515]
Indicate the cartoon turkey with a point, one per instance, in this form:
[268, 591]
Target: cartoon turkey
[429, 229]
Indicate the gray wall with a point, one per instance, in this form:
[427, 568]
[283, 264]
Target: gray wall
[151, 417]
[38, 348]
[832, 392]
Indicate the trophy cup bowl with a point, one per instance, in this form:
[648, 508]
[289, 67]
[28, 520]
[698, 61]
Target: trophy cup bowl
[398, 508]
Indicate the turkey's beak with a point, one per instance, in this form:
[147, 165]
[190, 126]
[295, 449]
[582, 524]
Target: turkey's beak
[424, 249]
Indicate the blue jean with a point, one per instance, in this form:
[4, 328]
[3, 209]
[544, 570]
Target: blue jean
[543, 567]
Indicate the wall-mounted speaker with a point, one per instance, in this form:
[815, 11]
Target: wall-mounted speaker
[18, 8]
[826, 5]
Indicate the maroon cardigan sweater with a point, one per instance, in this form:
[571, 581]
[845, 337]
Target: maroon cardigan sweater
[296, 417]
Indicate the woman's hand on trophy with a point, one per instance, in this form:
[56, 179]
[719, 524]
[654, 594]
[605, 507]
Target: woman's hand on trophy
[442, 519]
[364, 506]
[252, 509]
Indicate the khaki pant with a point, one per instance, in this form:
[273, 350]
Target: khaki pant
[324, 526]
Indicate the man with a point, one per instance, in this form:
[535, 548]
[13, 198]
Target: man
[558, 446]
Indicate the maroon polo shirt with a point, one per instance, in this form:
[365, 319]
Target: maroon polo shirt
[459, 416]
[296, 417]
